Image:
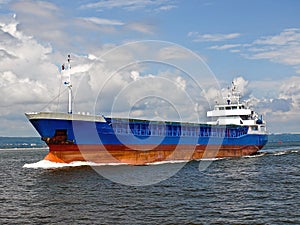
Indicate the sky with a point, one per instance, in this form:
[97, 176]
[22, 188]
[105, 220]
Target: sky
[152, 59]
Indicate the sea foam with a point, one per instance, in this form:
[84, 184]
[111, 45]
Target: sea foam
[46, 164]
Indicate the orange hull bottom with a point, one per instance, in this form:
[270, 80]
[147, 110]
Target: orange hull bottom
[139, 155]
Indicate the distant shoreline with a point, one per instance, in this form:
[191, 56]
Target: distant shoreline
[24, 149]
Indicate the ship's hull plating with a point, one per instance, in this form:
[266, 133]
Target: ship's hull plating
[140, 142]
[122, 154]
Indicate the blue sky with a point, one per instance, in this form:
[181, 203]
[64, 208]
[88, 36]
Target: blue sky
[257, 43]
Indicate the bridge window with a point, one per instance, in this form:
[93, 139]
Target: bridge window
[254, 128]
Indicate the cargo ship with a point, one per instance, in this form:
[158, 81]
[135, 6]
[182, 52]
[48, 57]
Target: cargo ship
[234, 130]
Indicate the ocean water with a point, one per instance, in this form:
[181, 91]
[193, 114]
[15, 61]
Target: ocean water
[262, 189]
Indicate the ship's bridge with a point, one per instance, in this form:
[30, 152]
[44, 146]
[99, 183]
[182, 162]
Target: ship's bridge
[229, 110]
[236, 114]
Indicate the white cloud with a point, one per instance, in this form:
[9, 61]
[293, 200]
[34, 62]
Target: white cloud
[281, 106]
[43, 20]
[135, 75]
[197, 37]
[48, 23]
[131, 5]
[235, 50]
[287, 36]
[103, 21]
[166, 7]
[180, 83]
[28, 75]
[141, 27]
[113, 26]
[290, 90]
[224, 47]
[40, 9]
[141, 79]
[283, 48]
[21, 91]
[173, 52]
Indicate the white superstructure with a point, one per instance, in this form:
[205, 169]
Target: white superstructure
[236, 113]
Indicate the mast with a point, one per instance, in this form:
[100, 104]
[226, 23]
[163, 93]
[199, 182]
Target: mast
[233, 95]
[68, 83]
[70, 86]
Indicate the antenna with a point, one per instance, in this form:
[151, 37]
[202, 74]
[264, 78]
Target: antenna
[233, 94]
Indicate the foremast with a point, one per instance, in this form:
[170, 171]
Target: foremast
[67, 69]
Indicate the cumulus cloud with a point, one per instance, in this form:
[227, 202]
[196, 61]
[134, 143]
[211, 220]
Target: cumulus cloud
[280, 109]
[20, 91]
[241, 85]
[22, 56]
[290, 90]
[131, 91]
[135, 75]
[28, 75]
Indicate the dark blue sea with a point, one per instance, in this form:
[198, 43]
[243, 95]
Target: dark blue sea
[261, 189]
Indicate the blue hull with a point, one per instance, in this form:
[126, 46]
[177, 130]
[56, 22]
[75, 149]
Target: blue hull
[134, 133]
